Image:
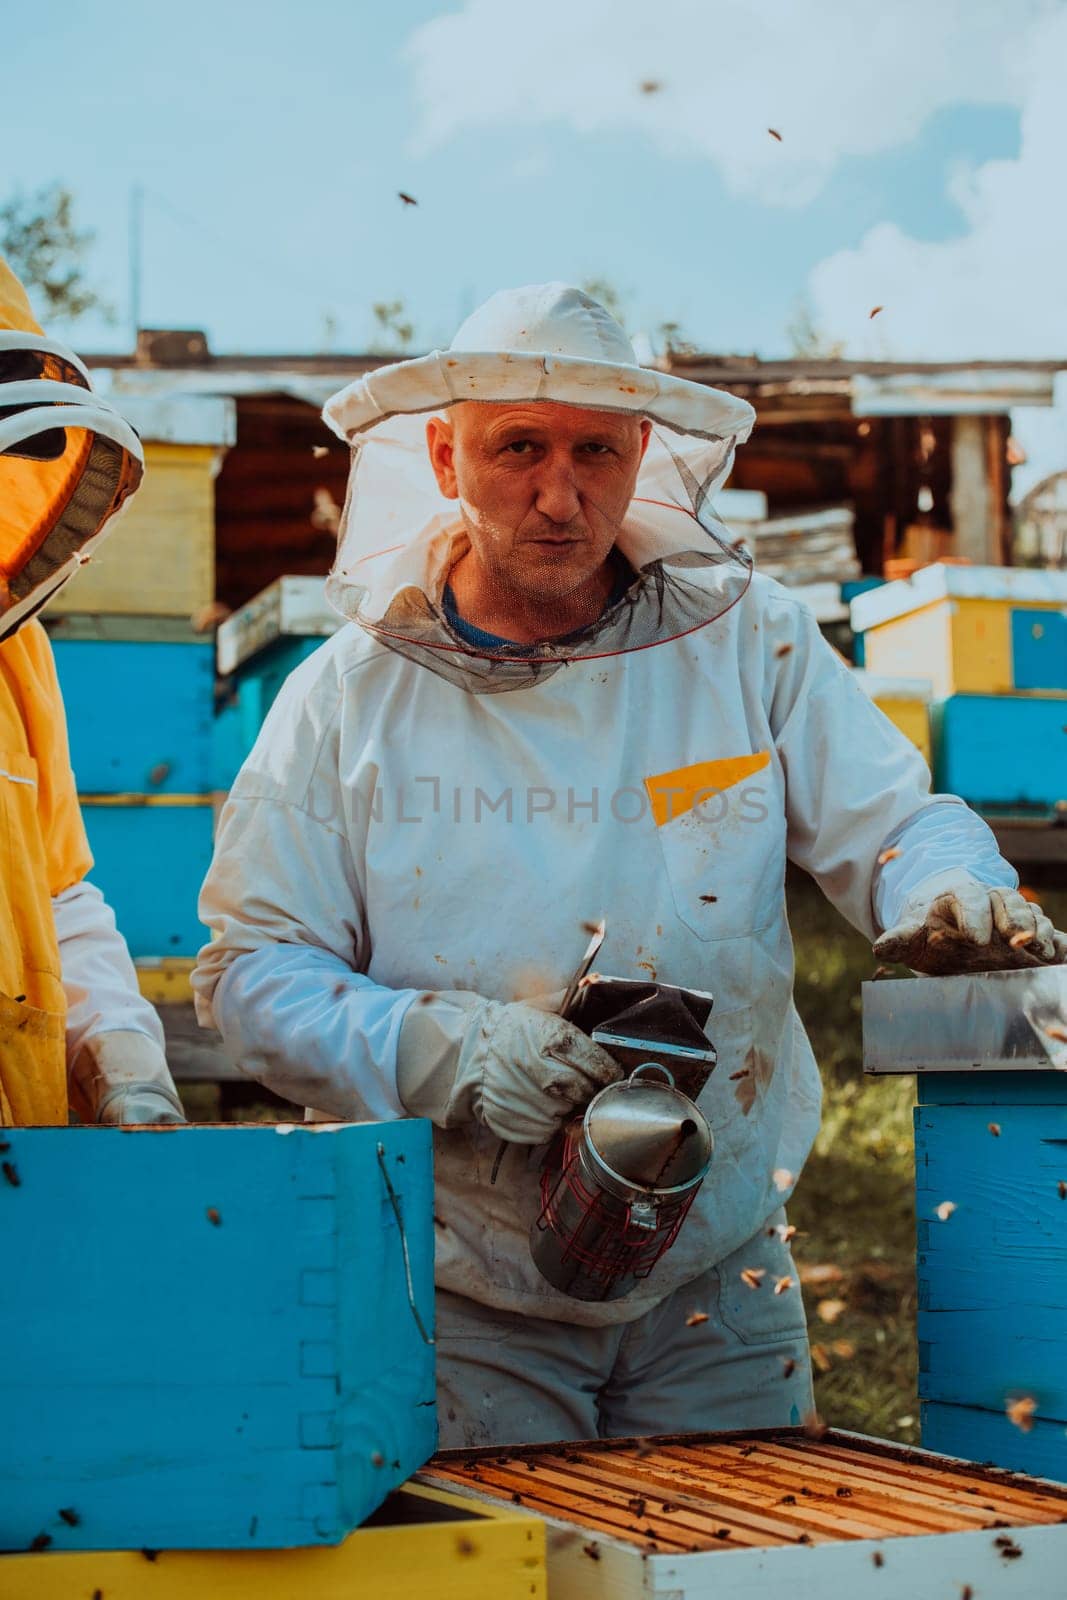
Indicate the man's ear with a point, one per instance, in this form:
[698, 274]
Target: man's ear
[646, 434]
[440, 445]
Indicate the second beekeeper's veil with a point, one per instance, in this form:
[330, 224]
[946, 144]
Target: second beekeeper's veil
[399, 537]
[68, 461]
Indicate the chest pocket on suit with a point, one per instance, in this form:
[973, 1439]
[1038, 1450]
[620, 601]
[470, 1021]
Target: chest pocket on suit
[721, 830]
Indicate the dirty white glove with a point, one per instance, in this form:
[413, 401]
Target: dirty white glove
[519, 1070]
[952, 923]
[125, 1079]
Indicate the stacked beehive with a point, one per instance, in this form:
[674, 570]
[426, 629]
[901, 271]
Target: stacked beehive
[905, 701]
[258, 647]
[138, 682]
[989, 1053]
[992, 641]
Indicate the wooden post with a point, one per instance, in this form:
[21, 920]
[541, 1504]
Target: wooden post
[977, 492]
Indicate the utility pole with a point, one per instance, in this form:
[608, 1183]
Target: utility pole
[136, 231]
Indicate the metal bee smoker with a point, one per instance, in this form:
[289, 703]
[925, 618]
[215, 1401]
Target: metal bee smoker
[617, 1182]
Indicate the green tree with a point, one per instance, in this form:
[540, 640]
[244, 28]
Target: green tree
[806, 340]
[45, 249]
[394, 328]
[604, 290]
[674, 340]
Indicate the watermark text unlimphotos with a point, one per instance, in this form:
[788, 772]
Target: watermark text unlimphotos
[432, 800]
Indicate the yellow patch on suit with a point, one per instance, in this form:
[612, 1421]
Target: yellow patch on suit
[672, 794]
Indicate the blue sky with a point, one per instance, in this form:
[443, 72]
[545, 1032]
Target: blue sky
[271, 140]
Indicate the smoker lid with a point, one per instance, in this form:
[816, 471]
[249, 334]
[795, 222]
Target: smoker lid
[642, 1010]
[648, 1134]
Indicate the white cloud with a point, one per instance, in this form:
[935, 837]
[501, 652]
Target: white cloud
[834, 77]
[997, 290]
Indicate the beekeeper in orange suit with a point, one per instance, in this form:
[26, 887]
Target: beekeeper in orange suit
[75, 1031]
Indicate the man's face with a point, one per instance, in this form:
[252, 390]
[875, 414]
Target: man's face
[543, 489]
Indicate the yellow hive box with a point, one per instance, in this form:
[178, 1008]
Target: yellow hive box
[166, 980]
[969, 630]
[905, 701]
[423, 1542]
[159, 559]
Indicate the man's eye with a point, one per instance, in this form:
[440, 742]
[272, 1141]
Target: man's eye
[594, 448]
[519, 447]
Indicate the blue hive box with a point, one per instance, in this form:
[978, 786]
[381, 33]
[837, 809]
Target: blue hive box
[149, 859]
[258, 647]
[212, 1337]
[1002, 753]
[990, 1055]
[140, 714]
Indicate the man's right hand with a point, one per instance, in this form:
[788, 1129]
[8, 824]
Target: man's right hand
[519, 1070]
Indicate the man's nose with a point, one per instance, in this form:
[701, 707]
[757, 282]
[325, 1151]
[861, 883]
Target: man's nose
[557, 491]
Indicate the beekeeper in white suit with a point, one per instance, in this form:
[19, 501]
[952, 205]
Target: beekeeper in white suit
[565, 694]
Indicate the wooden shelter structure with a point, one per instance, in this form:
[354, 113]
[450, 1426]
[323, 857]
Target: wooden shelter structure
[919, 451]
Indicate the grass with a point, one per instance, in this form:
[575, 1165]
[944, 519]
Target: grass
[854, 1207]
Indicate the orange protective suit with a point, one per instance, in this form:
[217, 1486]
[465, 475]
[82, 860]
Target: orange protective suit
[58, 487]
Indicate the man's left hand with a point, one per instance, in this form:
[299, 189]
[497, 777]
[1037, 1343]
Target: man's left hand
[954, 924]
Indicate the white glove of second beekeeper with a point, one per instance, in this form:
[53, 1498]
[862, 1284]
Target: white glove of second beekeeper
[519, 1070]
[953, 923]
[124, 1077]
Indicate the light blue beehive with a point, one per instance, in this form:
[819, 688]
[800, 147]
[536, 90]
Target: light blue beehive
[206, 1334]
[990, 1055]
[160, 693]
[147, 797]
[257, 648]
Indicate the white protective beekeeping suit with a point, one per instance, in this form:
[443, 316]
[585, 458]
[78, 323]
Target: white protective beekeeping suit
[421, 814]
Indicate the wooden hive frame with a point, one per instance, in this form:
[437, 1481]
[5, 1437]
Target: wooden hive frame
[655, 1516]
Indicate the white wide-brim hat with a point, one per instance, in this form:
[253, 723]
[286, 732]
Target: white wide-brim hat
[543, 342]
[548, 342]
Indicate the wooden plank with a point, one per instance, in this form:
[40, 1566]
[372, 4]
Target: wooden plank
[981, 1435]
[986, 1358]
[123, 628]
[700, 1503]
[1043, 1502]
[752, 1485]
[546, 1490]
[955, 1281]
[292, 607]
[882, 1511]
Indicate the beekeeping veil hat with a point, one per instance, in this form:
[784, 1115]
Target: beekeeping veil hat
[399, 536]
[67, 461]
